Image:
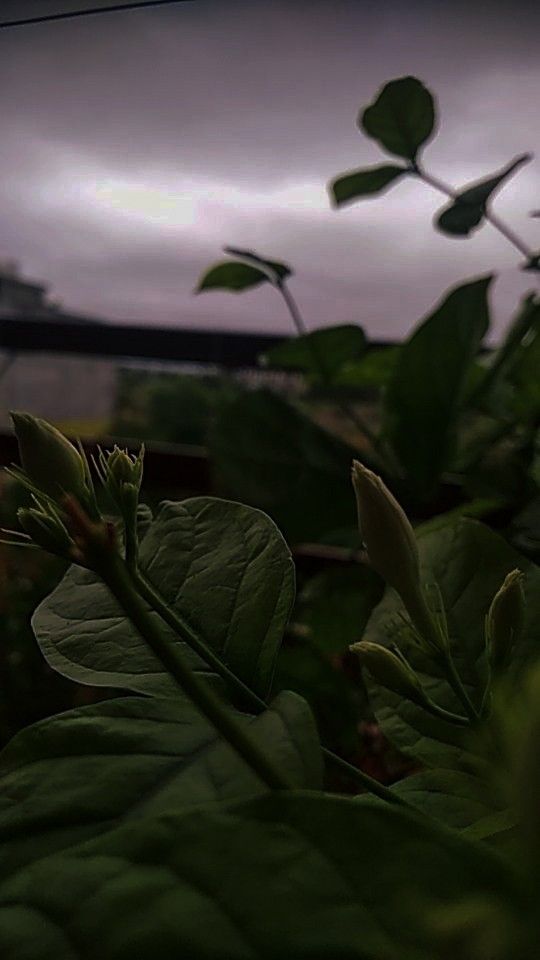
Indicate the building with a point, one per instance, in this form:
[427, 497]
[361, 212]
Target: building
[66, 389]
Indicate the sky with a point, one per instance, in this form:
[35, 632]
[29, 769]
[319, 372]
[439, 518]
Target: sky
[136, 145]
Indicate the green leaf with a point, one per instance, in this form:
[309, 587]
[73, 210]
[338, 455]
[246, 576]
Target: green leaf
[468, 208]
[265, 452]
[424, 396]
[335, 606]
[277, 876]
[320, 354]
[83, 773]
[236, 276]
[401, 118]
[223, 567]
[469, 562]
[455, 798]
[364, 183]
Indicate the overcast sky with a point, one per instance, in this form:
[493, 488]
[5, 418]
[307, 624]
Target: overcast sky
[135, 145]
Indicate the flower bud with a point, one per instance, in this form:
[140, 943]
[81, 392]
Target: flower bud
[121, 468]
[390, 671]
[392, 548]
[121, 474]
[51, 463]
[46, 530]
[505, 621]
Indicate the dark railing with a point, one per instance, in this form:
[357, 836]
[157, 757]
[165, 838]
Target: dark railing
[166, 466]
[213, 347]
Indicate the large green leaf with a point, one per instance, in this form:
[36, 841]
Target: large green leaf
[266, 452]
[364, 183]
[469, 562]
[468, 208]
[85, 772]
[303, 877]
[320, 354]
[401, 118]
[425, 393]
[223, 566]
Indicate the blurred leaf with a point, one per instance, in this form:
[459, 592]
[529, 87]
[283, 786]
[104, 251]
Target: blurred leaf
[322, 352]
[82, 773]
[364, 183]
[454, 797]
[516, 343]
[266, 452]
[374, 369]
[196, 549]
[401, 118]
[275, 267]
[468, 207]
[314, 876]
[425, 393]
[335, 606]
[236, 276]
[337, 703]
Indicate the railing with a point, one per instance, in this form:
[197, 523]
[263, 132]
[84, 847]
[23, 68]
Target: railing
[165, 466]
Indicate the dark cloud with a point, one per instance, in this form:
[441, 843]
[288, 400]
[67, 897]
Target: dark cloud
[135, 145]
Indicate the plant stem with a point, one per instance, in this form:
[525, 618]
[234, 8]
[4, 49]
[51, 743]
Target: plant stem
[182, 629]
[447, 715]
[492, 218]
[455, 682]
[324, 375]
[116, 576]
[256, 703]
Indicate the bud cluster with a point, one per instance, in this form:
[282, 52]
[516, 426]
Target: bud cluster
[65, 519]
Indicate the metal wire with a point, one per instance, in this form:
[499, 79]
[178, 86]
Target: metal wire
[89, 11]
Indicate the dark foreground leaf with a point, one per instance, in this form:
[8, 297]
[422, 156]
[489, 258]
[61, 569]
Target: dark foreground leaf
[84, 773]
[279, 876]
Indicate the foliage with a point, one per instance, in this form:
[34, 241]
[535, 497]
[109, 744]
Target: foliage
[444, 404]
[219, 806]
[121, 823]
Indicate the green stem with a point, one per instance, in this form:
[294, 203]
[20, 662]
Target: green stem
[324, 375]
[131, 543]
[447, 715]
[116, 576]
[182, 629]
[492, 218]
[188, 636]
[455, 682]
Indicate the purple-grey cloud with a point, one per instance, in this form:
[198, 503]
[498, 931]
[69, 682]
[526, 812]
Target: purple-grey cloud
[134, 146]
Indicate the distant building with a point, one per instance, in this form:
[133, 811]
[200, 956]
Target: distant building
[62, 388]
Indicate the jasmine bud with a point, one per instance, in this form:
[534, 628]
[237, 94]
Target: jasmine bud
[392, 549]
[50, 462]
[505, 621]
[46, 530]
[390, 671]
[121, 468]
